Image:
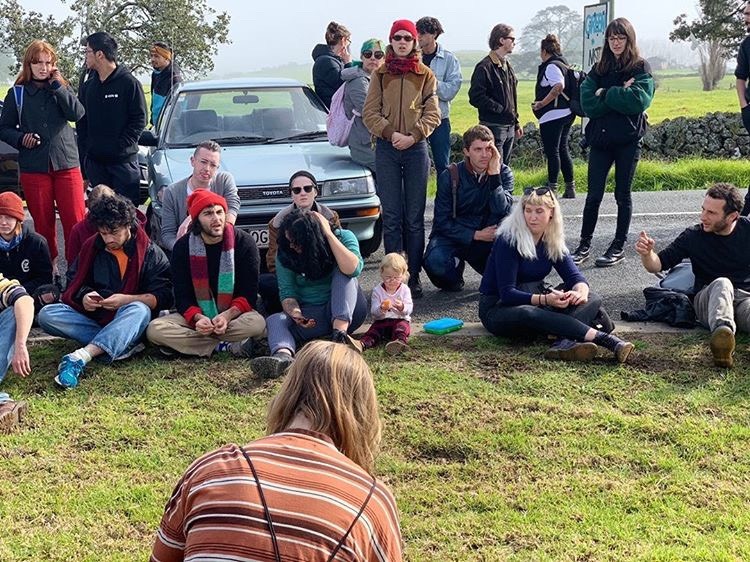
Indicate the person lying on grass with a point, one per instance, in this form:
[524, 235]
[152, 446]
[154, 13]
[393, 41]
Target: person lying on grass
[516, 302]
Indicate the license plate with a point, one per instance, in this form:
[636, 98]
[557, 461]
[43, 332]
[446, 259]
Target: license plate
[260, 235]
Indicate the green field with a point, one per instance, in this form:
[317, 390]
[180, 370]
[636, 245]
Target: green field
[492, 452]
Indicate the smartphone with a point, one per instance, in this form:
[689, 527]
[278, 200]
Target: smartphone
[96, 298]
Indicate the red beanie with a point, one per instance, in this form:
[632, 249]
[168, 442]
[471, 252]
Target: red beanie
[11, 205]
[202, 198]
[403, 25]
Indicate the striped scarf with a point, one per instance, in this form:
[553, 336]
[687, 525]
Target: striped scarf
[199, 273]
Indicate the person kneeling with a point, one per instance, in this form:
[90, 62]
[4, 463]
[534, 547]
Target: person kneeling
[215, 272]
[514, 300]
[117, 283]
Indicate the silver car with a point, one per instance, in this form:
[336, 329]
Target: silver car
[268, 128]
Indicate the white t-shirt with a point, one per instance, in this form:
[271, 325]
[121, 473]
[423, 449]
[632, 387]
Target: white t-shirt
[552, 76]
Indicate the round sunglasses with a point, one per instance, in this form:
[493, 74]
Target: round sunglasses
[369, 54]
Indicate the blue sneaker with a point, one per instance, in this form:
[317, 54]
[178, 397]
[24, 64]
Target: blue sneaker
[68, 371]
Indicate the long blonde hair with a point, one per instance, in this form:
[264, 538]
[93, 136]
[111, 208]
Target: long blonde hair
[332, 387]
[515, 231]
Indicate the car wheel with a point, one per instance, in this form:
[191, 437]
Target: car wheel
[369, 247]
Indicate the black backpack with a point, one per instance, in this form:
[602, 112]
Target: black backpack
[572, 91]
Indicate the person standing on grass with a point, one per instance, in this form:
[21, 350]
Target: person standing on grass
[305, 491]
[718, 252]
[472, 198]
[447, 71]
[35, 119]
[165, 76]
[16, 317]
[118, 283]
[494, 91]
[555, 118]
[330, 59]
[402, 110]
[215, 278]
[742, 73]
[515, 300]
[614, 95]
[115, 117]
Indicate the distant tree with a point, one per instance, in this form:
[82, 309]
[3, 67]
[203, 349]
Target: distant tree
[715, 34]
[567, 24]
[192, 28]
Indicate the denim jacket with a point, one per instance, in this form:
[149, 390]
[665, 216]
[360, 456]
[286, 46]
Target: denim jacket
[447, 70]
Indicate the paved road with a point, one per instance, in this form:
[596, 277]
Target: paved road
[662, 214]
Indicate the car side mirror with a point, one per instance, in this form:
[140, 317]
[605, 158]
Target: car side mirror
[148, 138]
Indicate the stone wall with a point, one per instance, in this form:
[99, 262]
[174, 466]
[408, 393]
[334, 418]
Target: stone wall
[714, 135]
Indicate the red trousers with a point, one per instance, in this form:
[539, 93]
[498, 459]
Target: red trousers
[42, 191]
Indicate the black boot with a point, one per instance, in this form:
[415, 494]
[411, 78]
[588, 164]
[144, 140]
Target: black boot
[614, 254]
[552, 186]
[582, 252]
[620, 348]
[570, 190]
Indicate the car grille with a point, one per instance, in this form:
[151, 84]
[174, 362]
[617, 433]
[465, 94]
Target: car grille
[264, 192]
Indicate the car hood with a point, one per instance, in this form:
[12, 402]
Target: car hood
[272, 164]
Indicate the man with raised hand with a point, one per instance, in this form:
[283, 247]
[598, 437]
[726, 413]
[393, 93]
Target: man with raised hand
[718, 251]
[215, 271]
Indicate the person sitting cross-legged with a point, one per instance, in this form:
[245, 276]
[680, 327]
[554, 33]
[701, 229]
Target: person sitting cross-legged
[215, 273]
[719, 252]
[118, 282]
[468, 210]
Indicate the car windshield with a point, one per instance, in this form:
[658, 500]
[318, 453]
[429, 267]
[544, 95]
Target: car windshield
[245, 116]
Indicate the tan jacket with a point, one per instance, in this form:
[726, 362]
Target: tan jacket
[407, 104]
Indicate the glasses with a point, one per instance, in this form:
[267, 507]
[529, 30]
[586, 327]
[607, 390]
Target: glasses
[369, 54]
[513, 39]
[617, 38]
[391, 277]
[307, 188]
[540, 191]
[407, 38]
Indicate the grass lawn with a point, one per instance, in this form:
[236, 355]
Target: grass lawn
[493, 453]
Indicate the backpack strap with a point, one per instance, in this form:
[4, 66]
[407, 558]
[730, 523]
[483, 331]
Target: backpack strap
[349, 530]
[453, 168]
[18, 94]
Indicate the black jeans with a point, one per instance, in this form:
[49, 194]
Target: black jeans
[625, 159]
[504, 137]
[530, 321]
[555, 136]
[123, 177]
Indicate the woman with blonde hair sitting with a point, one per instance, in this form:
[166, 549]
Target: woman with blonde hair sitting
[514, 298]
[306, 491]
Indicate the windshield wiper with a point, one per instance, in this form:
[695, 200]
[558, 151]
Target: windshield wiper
[300, 136]
[242, 139]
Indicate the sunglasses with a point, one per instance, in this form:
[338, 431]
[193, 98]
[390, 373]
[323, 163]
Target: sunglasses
[307, 188]
[407, 38]
[540, 191]
[369, 54]
[511, 38]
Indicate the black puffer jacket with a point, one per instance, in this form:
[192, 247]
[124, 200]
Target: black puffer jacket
[326, 72]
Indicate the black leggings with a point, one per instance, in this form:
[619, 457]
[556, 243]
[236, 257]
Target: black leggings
[625, 159]
[530, 321]
[555, 136]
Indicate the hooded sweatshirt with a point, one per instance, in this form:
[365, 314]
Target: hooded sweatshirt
[115, 117]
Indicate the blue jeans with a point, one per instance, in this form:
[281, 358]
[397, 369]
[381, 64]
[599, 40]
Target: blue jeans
[7, 339]
[440, 143]
[444, 260]
[347, 303]
[402, 188]
[116, 338]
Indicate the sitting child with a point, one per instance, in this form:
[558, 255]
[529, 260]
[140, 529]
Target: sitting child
[391, 307]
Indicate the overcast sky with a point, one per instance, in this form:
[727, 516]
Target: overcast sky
[273, 32]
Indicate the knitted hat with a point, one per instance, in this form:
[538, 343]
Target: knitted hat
[11, 205]
[202, 198]
[373, 45]
[403, 25]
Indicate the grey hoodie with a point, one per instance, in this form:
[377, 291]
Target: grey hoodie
[360, 140]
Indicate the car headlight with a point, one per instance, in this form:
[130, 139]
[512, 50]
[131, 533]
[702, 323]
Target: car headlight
[352, 186]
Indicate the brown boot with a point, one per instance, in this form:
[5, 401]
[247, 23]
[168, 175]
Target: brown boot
[11, 414]
[722, 346]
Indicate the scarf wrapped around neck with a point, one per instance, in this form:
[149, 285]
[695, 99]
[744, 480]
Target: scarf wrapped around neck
[8, 245]
[199, 273]
[399, 66]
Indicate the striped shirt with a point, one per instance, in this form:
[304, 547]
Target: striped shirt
[313, 492]
[10, 291]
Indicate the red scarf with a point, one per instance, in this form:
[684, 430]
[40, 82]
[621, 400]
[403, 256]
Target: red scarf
[398, 66]
[83, 274]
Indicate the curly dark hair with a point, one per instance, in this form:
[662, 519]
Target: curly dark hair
[112, 213]
[301, 228]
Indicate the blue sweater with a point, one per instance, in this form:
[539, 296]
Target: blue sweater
[506, 270]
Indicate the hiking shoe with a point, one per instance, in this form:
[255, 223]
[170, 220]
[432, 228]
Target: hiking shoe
[614, 255]
[68, 371]
[623, 351]
[249, 348]
[271, 367]
[581, 253]
[722, 346]
[396, 347]
[11, 414]
[569, 350]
